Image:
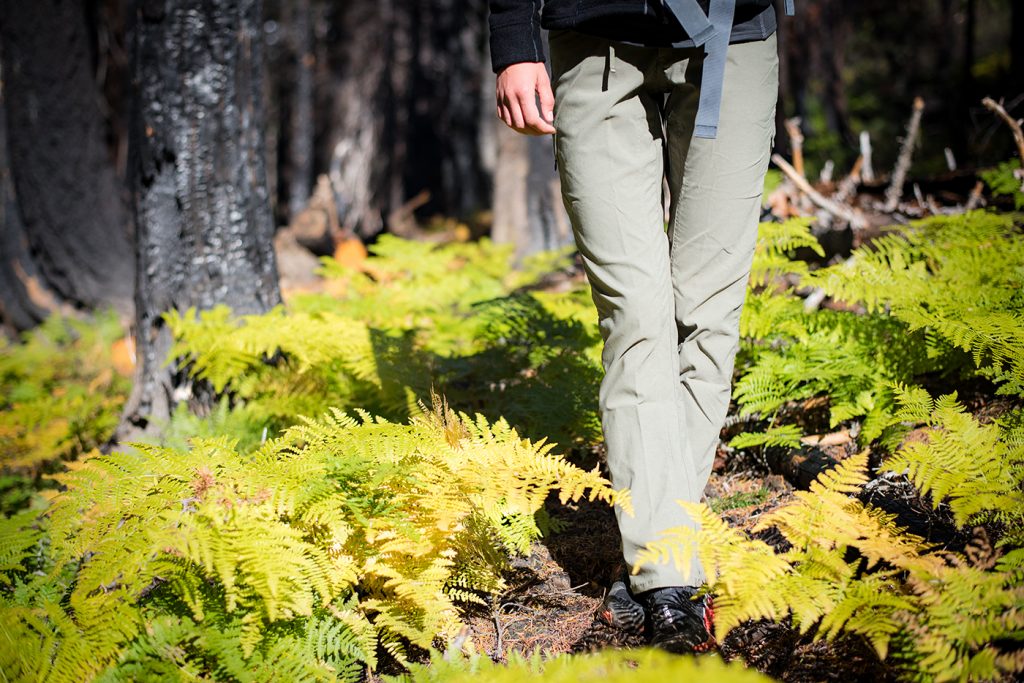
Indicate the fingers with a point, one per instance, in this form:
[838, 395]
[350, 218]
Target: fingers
[506, 103]
[517, 90]
[547, 98]
[510, 111]
[533, 124]
[516, 115]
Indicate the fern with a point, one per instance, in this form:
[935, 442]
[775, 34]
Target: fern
[416, 317]
[61, 393]
[977, 470]
[18, 540]
[850, 569]
[1003, 180]
[776, 245]
[957, 278]
[296, 560]
[939, 297]
[638, 666]
[782, 435]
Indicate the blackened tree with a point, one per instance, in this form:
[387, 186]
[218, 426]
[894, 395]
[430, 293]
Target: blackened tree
[66, 228]
[402, 80]
[199, 181]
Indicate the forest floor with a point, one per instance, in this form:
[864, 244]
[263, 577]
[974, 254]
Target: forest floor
[554, 593]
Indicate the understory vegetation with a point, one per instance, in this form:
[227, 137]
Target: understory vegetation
[939, 302]
[332, 515]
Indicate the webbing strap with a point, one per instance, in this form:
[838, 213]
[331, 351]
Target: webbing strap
[713, 74]
[693, 20]
[790, 7]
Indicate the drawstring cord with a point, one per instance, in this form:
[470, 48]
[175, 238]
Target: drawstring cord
[609, 65]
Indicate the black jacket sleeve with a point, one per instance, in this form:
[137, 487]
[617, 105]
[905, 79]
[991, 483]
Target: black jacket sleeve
[515, 32]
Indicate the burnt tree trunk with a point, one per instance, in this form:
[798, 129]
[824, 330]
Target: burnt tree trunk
[23, 304]
[406, 77]
[77, 229]
[360, 163]
[199, 186]
[300, 133]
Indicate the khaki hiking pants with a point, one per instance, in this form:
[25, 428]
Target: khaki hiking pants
[668, 301]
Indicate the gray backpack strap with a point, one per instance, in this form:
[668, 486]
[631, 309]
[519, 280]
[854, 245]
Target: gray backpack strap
[714, 31]
[790, 7]
[721, 16]
[693, 20]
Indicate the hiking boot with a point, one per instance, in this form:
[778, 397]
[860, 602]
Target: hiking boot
[619, 609]
[680, 620]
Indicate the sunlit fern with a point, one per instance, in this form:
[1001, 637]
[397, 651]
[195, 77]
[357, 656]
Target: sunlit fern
[303, 556]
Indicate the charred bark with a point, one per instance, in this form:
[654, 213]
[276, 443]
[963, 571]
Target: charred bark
[405, 119]
[22, 304]
[77, 230]
[363, 110]
[199, 180]
[300, 142]
[449, 38]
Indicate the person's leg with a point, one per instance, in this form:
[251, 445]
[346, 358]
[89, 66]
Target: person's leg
[610, 158]
[716, 190]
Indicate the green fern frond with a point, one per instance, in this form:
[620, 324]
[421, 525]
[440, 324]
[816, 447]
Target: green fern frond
[850, 569]
[635, 666]
[19, 537]
[966, 464]
[781, 435]
[299, 557]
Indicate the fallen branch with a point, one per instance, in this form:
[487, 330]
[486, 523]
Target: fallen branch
[848, 185]
[823, 202]
[733, 420]
[867, 170]
[899, 174]
[402, 221]
[814, 300]
[974, 200]
[1018, 134]
[796, 143]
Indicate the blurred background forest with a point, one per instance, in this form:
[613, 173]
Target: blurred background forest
[158, 155]
[379, 117]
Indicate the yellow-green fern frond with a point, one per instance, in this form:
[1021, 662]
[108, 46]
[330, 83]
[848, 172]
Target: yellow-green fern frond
[636, 666]
[972, 467]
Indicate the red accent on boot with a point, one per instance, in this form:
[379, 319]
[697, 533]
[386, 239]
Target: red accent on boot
[709, 624]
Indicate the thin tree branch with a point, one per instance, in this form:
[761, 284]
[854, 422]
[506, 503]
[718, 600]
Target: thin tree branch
[868, 171]
[1018, 134]
[796, 143]
[974, 199]
[899, 174]
[837, 210]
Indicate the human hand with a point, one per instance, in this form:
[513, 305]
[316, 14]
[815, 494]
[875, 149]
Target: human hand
[517, 91]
